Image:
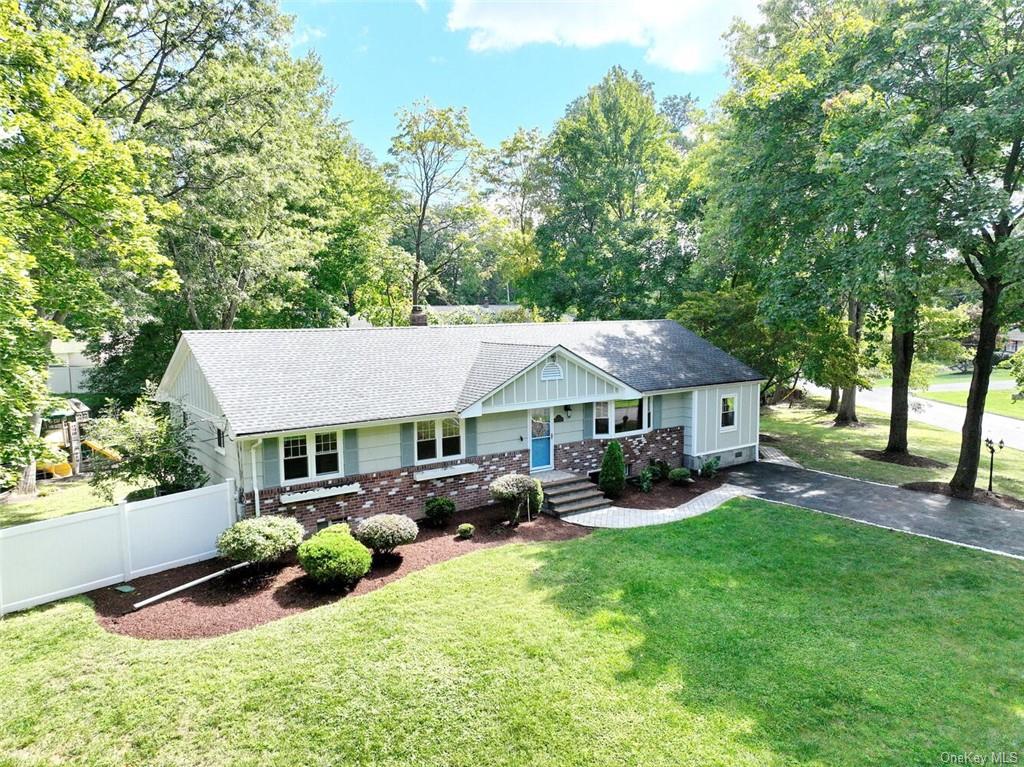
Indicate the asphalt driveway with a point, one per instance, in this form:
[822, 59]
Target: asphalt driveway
[937, 516]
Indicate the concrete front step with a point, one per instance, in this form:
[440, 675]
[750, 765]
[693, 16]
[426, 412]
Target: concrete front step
[569, 488]
[588, 504]
[580, 494]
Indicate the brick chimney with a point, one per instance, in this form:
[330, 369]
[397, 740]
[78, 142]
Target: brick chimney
[418, 318]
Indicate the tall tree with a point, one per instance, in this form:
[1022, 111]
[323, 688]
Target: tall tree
[73, 195]
[609, 242]
[434, 151]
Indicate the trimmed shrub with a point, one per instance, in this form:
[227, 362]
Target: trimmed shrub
[612, 479]
[709, 467]
[260, 539]
[385, 532]
[465, 531]
[679, 475]
[439, 510]
[659, 469]
[516, 491]
[333, 556]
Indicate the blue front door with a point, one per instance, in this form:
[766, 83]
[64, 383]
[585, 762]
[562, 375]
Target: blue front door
[540, 439]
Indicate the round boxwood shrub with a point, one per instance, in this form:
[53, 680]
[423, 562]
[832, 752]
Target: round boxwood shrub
[679, 476]
[384, 532]
[260, 539]
[465, 531]
[439, 510]
[515, 491]
[612, 479]
[333, 556]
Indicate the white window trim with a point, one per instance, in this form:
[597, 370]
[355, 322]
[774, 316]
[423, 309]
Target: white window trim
[437, 441]
[612, 434]
[735, 411]
[311, 475]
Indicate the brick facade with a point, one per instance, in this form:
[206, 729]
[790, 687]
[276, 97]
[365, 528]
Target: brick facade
[392, 492]
[396, 492]
[659, 444]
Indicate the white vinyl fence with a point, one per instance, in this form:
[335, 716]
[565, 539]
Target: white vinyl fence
[57, 558]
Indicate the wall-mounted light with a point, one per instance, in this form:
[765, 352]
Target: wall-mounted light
[568, 410]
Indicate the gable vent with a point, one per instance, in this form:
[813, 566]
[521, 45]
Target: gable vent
[551, 371]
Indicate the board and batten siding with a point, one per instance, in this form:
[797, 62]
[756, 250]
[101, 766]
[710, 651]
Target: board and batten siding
[577, 384]
[707, 409]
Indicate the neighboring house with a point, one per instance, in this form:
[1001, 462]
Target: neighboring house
[1013, 340]
[328, 424]
[67, 372]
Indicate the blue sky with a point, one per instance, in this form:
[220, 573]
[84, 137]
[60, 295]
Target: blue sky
[511, 63]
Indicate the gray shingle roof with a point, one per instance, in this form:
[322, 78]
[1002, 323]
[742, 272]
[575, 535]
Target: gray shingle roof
[276, 380]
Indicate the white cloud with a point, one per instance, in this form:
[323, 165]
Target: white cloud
[306, 35]
[422, 4]
[681, 35]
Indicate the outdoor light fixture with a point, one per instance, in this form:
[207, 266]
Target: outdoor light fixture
[991, 458]
[568, 410]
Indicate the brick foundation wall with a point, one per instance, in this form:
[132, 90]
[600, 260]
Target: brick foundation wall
[658, 444]
[392, 492]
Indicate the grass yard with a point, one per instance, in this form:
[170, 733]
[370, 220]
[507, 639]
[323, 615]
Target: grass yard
[56, 499]
[950, 377]
[753, 635]
[808, 437]
[998, 401]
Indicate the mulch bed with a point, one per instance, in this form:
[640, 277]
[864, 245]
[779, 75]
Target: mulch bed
[902, 459]
[665, 495]
[242, 600]
[981, 496]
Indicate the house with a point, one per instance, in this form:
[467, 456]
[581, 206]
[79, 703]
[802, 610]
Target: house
[1013, 340]
[67, 373]
[337, 423]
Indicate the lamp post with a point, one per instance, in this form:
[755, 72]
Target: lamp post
[991, 458]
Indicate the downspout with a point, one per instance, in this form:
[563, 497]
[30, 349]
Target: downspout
[255, 484]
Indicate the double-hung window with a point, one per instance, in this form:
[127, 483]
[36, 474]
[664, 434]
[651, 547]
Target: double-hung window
[623, 416]
[438, 439]
[728, 412]
[307, 456]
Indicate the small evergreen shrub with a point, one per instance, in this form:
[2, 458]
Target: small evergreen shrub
[659, 469]
[385, 532]
[439, 510]
[260, 539]
[516, 492]
[333, 556]
[679, 475]
[612, 479]
[465, 531]
[709, 467]
[646, 480]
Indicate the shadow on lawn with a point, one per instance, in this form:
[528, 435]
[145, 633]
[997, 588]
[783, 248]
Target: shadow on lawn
[811, 637]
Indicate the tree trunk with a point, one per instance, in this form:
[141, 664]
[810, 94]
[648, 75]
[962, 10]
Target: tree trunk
[899, 415]
[833, 399]
[27, 483]
[966, 474]
[847, 412]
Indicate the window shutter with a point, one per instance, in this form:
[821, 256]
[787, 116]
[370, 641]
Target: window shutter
[656, 412]
[408, 440]
[588, 420]
[470, 427]
[271, 468]
[350, 443]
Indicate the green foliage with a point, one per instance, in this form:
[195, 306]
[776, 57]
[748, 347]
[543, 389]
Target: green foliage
[439, 510]
[679, 475]
[333, 556]
[153, 445]
[659, 469]
[519, 493]
[383, 533]
[465, 531]
[709, 466]
[609, 239]
[645, 480]
[612, 479]
[260, 540]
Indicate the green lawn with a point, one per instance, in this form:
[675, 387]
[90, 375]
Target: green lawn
[949, 377]
[753, 635]
[998, 401]
[809, 438]
[55, 499]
